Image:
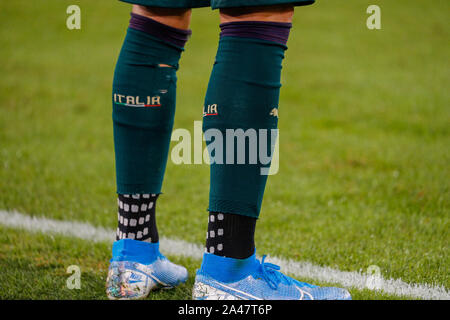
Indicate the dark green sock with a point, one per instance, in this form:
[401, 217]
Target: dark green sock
[143, 111]
[243, 93]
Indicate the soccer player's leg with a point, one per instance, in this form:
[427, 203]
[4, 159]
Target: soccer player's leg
[242, 104]
[143, 112]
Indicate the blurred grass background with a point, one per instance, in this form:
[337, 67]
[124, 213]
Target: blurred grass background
[364, 137]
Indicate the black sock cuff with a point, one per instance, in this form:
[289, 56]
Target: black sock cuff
[136, 217]
[231, 235]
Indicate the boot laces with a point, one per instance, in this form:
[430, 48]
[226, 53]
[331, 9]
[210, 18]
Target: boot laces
[272, 275]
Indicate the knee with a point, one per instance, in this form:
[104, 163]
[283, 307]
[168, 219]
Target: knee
[175, 17]
[275, 13]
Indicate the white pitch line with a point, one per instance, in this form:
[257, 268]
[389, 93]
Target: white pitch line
[86, 231]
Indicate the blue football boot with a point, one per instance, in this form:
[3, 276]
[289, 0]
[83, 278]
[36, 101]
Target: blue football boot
[138, 267]
[221, 278]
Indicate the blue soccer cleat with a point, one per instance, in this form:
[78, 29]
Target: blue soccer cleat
[221, 278]
[138, 267]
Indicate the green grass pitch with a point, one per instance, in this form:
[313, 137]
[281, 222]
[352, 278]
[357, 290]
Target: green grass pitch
[364, 143]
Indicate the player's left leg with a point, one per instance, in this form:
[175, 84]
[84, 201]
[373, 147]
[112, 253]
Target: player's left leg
[241, 106]
[144, 91]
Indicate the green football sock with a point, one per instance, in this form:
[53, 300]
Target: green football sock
[143, 111]
[242, 100]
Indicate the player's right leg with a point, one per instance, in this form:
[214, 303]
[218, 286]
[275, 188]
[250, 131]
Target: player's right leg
[143, 112]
